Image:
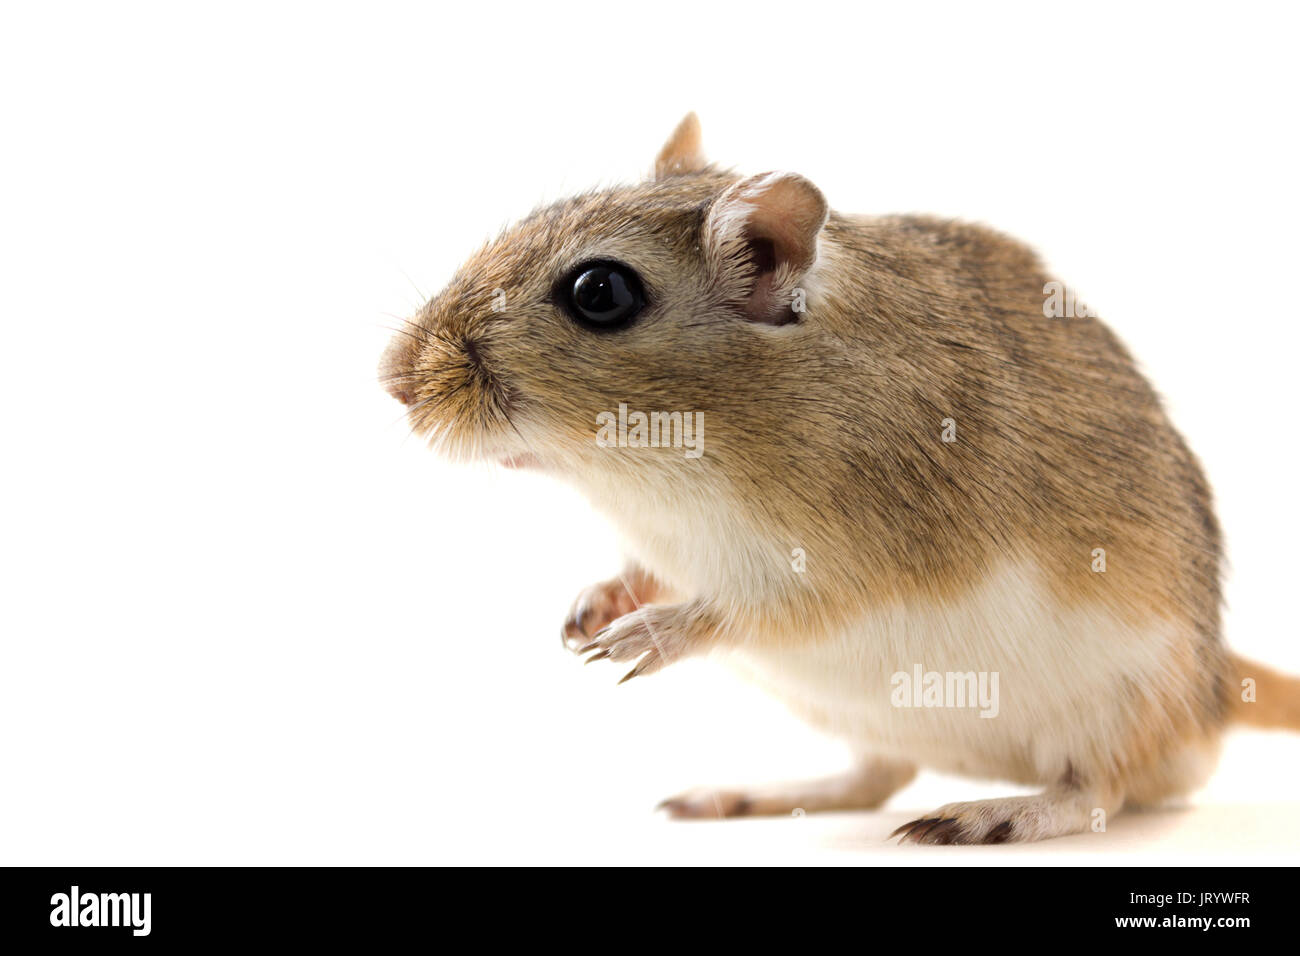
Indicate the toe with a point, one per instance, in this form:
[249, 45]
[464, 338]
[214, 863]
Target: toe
[713, 805]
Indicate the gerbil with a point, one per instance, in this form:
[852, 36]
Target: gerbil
[908, 470]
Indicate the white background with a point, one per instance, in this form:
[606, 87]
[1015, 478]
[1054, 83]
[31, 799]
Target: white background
[246, 620]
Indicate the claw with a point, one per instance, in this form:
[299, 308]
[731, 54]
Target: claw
[944, 832]
[899, 831]
[936, 830]
[924, 832]
[646, 664]
[912, 828]
[597, 657]
[1000, 833]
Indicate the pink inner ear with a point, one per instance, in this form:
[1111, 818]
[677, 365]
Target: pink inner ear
[780, 215]
[762, 253]
[788, 215]
[763, 305]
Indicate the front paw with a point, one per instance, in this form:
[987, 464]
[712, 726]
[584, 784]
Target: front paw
[595, 608]
[654, 634]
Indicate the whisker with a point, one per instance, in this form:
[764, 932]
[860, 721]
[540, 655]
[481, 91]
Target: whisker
[400, 376]
[418, 405]
[405, 321]
[418, 291]
[412, 410]
[422, 339]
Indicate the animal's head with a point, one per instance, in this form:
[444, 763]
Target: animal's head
[681, 294]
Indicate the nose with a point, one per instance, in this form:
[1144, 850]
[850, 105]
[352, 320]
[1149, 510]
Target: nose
[395, 370]
[399, 393]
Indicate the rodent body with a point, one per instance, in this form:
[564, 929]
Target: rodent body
[913, 470]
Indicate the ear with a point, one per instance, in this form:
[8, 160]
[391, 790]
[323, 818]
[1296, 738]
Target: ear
[682, 153]
[760, 238]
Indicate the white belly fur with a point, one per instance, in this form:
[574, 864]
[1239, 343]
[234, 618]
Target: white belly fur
[1061, 680]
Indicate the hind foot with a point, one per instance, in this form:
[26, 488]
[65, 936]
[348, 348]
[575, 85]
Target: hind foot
[864, 788]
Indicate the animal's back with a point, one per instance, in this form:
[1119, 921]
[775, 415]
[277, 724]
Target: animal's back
[1046, 522]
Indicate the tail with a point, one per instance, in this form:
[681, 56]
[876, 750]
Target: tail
[1272, 700]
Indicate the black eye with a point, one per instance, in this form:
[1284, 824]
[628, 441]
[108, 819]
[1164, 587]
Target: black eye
[604, 295]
